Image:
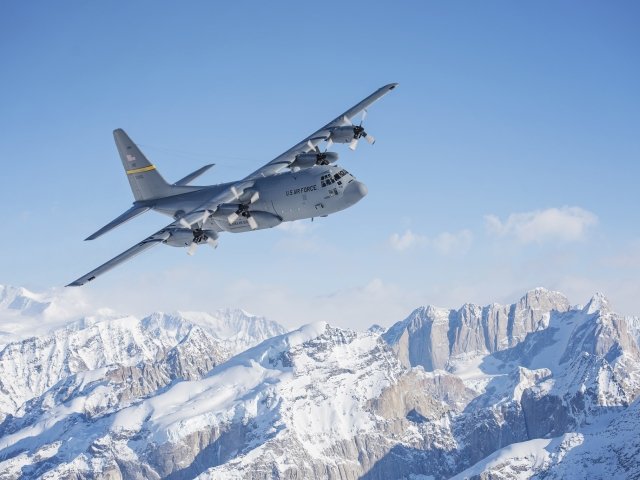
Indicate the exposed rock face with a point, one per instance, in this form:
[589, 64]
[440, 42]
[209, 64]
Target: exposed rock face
[432, 336]
[602, 451]
[537, 387]
[564, 368]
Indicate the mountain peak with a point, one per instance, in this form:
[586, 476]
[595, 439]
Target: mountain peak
[598, 303]
[541, 298]
[21, 299]
[375, 328]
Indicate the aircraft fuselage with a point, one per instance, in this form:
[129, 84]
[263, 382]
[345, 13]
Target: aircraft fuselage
[313, 192]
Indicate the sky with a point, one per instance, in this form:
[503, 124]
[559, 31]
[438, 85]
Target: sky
[507, 159]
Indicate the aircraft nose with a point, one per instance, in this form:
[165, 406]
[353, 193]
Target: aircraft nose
[354, 192]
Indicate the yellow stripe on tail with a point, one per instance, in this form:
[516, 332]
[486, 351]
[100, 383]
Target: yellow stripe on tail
[140, 170]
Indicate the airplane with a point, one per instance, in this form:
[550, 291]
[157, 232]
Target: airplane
[303, 182]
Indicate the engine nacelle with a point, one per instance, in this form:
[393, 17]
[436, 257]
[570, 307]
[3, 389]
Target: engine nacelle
[343, 134]
[183, 237]
[308, 160]
[241, 224]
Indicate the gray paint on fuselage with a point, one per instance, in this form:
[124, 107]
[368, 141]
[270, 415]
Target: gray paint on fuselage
[186, 202]
[300, 195]
[289, 195]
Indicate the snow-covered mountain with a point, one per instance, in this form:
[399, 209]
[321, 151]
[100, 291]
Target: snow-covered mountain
[568, 374]
[25, 314]
[66, 346]
[535, 388]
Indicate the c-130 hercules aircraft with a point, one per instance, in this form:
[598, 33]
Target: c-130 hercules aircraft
[303, 182]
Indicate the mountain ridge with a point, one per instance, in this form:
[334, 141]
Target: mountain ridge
[537, 386]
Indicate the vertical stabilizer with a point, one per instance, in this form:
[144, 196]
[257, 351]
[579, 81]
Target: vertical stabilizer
[146, 182]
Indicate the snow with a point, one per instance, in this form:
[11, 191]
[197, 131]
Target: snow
[562, 328]
[188, 406]
[317, 399]
[598, 303]
[472, 369]
[519, 458]
[46, 346]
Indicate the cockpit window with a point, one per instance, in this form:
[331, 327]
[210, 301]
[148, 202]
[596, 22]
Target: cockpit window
[329, 179]
[326, 180]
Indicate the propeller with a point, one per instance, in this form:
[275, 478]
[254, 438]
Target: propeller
[200, 237]
[358, 132]
[243, 210]
[198, 221]
[321, 157]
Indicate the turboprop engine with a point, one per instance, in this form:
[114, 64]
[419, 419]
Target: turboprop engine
[185, 237]
[242, 223]
[308, 160]
[350, 133]
[342, 134]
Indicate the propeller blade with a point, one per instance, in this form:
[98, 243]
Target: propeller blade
[232, 218]
[354, 144]
[346, 120]
[212, 242]
[329, 143]
[364, 115]
[184, 223]
[235, 192]
[205, 217]
[192, 248]
[369, 138]
[254, 197]
[252, 222]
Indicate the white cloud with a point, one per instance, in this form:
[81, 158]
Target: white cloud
[298, 227]
[445, 243]
[565, 224]
[407, 240]
[358, 307]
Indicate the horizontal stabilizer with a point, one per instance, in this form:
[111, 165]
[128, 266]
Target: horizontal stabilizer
[192, 176]
[125, 217]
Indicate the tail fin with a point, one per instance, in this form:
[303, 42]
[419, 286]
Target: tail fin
[146, 182]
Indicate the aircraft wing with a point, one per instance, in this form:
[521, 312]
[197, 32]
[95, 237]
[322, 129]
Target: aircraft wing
[146, 244]
[309, 143]
[210, 206]
[125, 217]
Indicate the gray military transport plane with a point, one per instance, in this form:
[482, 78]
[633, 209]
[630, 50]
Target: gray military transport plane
[303, 182]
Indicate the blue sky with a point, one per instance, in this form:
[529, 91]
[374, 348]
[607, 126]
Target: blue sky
[507, 159]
